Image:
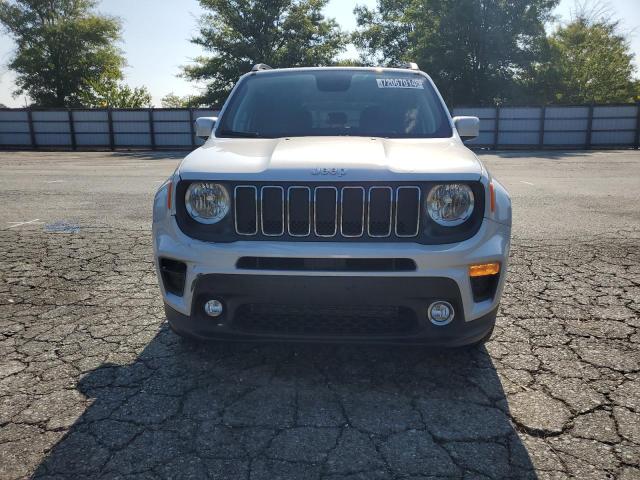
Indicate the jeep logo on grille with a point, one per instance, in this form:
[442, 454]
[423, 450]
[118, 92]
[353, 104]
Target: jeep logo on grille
[338, 172]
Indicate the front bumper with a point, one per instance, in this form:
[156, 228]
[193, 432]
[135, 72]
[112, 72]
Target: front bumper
[344, 309]
[441, 273]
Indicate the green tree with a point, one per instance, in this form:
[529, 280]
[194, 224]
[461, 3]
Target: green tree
[348, 62]
[477, 51]
[111, 94]
[63, 47]
[241, 33]
[171, 100]
[591, 62]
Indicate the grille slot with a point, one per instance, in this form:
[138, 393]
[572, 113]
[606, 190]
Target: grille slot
[327, 264]
[352, 213]
[246, 209]
[407, 211]
[299, 211]
[328, 320]
[272, 211]
[326, 211]
[380, 211]
[320, 212]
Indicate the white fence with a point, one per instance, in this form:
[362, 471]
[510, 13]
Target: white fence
[552, 126]
[555, 126]
[97, 129]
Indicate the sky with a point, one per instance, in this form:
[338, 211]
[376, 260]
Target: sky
[156, 33]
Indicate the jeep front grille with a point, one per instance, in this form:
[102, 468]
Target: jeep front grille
[327, 211]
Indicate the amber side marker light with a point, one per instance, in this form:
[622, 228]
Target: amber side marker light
[484, 269]
[492, 197]
[169, 195]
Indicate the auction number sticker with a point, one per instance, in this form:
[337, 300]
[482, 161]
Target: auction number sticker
[400, 83]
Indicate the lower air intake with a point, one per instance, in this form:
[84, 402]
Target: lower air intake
[325, 320]
[173, 275]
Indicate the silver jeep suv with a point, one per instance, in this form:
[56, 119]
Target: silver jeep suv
[333, 204]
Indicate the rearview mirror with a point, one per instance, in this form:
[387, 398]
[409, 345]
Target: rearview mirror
[204, 126]
[468, 127]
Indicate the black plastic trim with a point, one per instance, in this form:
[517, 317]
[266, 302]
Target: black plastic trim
[173, 275]
[327, 264]
[484, 288]
[411, 295]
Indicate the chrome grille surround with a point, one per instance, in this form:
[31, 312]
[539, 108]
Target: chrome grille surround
[334, 211]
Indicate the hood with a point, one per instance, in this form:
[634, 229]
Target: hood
[317, 159]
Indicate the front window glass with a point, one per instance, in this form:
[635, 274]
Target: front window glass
[391, 104]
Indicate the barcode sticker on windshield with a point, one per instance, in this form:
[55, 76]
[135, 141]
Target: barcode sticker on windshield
[400, 83]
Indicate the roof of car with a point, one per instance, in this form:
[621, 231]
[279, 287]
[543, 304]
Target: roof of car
[269, 71]
[336, 67]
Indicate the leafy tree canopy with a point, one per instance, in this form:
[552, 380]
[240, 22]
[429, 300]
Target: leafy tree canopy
[111, 94]
[476, 51]
[241, 33]
[171, 100]
[590, 62]
[63, 47]
[348, 62]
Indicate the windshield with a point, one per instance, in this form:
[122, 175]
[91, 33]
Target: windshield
[390, 104]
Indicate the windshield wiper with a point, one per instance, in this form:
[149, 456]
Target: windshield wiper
[234, 133]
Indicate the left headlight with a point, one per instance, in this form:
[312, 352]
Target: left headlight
[450, 204]
[207, 202]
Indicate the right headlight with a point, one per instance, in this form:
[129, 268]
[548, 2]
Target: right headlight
[450, 204]
[207, 202]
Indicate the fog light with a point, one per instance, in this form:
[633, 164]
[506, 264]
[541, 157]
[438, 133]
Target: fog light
[213, 308]
[441, 313]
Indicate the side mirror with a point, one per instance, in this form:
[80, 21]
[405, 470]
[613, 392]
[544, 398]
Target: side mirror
[468, 127]
[204, 126]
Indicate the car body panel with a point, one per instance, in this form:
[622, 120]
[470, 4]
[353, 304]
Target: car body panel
[350, 158]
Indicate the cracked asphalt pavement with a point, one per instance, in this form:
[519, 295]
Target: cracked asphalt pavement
[94, 385]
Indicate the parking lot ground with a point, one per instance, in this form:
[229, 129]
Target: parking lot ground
[94, 385]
